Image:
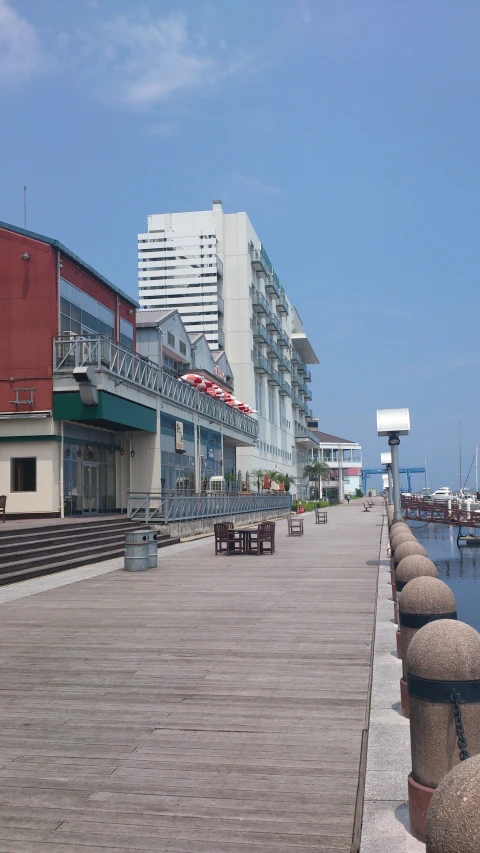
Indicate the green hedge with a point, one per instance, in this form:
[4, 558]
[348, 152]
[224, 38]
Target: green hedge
[311, 505]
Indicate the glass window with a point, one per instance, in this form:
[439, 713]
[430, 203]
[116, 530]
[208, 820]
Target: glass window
[171, 339]
[24, 474]
[89, 316]
[126, 334]
[347, 455]
[183, 347]
[327, 454]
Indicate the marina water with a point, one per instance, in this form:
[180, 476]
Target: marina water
[459, 567]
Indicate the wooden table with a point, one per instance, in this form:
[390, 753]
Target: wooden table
[239, 540]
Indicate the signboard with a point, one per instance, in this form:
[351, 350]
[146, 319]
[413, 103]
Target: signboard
[220, 373]
[179, 437]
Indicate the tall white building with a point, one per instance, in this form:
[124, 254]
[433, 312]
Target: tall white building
[213, 268]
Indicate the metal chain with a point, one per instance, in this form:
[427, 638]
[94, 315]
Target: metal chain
[457, 713]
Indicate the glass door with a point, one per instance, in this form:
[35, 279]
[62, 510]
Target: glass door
[90, 488]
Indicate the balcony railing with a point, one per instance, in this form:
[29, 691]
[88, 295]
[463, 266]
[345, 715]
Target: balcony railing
[282, 305]
[261, 364]
[274, 323]
[295, 378]
[221, 304]
[260, 304]
[286, 389]
[283, 340]
[105, 355]
[219, 267]
[273, 349]
[275, 378]
[302, 432]
[260, 261]
[296, 401]
[272, 287]
[221, 338]
[153, 506]
[284, 364]
[260, 333]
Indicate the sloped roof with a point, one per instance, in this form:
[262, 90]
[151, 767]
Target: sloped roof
[153, 316]
[326, 438]
[194, 336]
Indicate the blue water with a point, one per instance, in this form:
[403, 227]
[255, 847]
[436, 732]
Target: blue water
[459, 567]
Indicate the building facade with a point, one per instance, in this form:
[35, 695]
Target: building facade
[344, 458]
[213, 268]
[84, 416]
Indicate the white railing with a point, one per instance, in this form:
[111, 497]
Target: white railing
[103, 354]
[153, 506]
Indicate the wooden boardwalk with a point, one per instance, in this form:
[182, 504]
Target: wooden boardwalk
[214, 705]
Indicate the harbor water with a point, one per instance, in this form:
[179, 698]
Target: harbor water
[459, 567]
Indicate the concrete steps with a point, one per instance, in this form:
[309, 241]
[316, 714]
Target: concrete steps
[32, 552]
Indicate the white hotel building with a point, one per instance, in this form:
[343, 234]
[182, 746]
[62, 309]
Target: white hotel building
[212, 267]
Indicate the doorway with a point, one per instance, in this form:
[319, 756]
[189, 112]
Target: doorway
[90, 503]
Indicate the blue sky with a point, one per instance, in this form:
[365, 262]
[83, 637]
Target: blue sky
[349, 131]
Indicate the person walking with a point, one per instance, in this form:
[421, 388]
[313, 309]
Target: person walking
[348, 499]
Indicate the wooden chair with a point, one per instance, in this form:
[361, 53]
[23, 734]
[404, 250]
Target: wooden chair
[295, 525]
[262, 540]
[3, 506]
[221, 537]
[320, 516]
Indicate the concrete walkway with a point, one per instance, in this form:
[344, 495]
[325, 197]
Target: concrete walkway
[213, 705]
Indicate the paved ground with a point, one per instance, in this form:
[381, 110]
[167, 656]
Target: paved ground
[214, 705]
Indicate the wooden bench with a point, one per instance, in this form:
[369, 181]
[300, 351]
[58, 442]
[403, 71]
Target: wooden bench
[295, 526]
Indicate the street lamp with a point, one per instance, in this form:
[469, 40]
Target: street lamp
[386, 459]
[394, 423]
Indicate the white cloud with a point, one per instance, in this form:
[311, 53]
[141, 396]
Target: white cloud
[304, 11]
[146, 60]
[255, 184]
[21, 52]
[462, 362]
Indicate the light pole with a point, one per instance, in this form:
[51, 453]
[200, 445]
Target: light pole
[386, 459]
[394, 423]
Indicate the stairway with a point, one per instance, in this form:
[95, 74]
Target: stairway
[41, 550]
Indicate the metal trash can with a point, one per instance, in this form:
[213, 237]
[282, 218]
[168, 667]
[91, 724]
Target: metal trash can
[152, 549]
[138, 545]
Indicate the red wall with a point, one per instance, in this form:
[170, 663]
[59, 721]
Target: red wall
[29, 316]
[28, 319]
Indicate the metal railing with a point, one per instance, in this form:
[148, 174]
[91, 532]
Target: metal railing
[286, 389]
[274, 323]
[260, 303]
[153, 506]
[260, 260]
[283, 340]
[260, 332]
[102, 354]
[284, 363]
[304, 432]
[261, 364]
[272, 286]
[274, 350]
[275, 378]
[282, 305]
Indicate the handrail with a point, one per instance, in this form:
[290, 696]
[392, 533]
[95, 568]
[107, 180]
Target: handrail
[153, 506]
[105, 355]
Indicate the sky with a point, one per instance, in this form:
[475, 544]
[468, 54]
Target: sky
[350, 133]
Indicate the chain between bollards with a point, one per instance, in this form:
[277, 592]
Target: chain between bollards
[457, 713]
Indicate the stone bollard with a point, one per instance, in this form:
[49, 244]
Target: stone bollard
[400, 537]
[443, 678]
[390, 512]
[453, 819]
[423, 600]
[407, 549]
[399, 528]
[412, 566]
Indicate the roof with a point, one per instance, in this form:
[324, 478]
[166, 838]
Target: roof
[195, 336]
[55, 244]
[304, 348]
[154, 316]
[326, 438]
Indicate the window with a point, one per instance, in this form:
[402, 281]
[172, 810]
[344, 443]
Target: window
[183, 347]
[82, 314]
[24, 474]
[126, 334]
[170, 339]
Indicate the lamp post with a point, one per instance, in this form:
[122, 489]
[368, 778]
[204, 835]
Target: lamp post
[386, 459]
[394, 423]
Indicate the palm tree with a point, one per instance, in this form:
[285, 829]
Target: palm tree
[258, 475]
[317, 472]
[286, 479]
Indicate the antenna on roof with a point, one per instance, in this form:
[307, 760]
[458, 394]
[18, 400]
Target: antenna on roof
[25, 207]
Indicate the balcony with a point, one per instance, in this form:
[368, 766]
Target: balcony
[296, 401]
[260, 304]
[260, 261]
[273, 323]
[300, 366]
[104, 354]
[283, 340]
[282, 305]
[295, 378]
[261, 364]
[275, 378]
[285, 389]
[295, 358]
[219, 267]
[284, 364]
[305, 437]
[308, 394]
[220, 304]
[273, 349]
[272, 287]
[260, 333]
[308, 374]
[221, 339]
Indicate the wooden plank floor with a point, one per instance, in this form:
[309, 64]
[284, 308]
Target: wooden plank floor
[214, 705]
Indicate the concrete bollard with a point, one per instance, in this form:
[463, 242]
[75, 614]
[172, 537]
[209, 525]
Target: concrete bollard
[443, 678]
[400, 528]
[397, 540]
[390, 512]
[453, 818]
[407, 549]
[412, 566]
[424, 599]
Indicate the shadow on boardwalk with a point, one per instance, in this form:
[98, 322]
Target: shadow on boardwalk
[213, 705]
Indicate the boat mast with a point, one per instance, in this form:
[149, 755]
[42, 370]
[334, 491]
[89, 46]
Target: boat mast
[460, 451]
[476, 470]
[426, 477]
